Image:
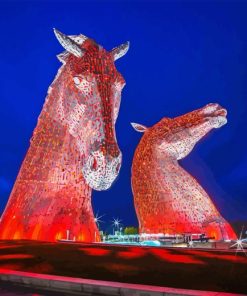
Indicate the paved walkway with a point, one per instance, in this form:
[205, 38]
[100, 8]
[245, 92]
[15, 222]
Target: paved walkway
[78, 286]
[12, 290]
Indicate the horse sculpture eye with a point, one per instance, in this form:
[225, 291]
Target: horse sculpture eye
[77, 80]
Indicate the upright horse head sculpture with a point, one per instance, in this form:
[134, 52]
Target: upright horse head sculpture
[73, 148]
[167, 198]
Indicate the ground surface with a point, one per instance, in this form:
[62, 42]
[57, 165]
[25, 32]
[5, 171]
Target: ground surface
[12, 290]
[179, 268]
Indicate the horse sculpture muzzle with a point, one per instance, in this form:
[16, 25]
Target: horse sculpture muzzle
[100, 170]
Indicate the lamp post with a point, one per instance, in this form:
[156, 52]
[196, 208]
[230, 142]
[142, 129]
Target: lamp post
[240, 243]
[97, 220]
[116, 224]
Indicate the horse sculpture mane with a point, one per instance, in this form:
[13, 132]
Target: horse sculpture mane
[167, 198]
[73, 148]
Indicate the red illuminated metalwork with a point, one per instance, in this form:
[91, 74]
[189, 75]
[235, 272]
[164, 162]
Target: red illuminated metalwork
[167, 198]
[73, 148]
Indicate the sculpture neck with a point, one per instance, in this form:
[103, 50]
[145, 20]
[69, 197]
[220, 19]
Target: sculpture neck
[53, 155]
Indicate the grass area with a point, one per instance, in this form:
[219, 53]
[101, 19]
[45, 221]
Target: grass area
[210, 270]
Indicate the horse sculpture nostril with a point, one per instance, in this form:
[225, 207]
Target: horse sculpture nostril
[118, 167]
[94, 164]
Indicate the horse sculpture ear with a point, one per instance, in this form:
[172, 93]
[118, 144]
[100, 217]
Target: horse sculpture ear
[139, 127]
[120, 51]
[69, 44]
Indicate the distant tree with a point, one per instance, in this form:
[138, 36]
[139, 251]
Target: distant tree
[130, 230]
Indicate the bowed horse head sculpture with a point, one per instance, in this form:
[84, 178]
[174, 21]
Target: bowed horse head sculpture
[167, 198]
[73, 148]
[95, 86]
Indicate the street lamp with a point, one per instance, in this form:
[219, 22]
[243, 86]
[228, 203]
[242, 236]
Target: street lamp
[240, 243]
[97, 219]
[116, 224]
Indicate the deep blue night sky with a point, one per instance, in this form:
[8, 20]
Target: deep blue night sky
[183, 55]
